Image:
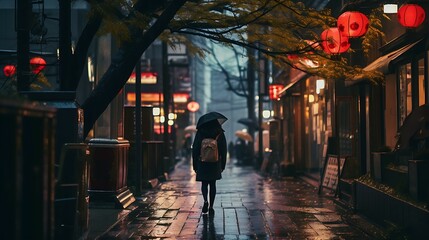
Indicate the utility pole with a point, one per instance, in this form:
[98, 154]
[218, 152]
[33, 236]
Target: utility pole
[166, 102]
[251, 94]
[65, 45]
[265, 71]
[138, 137]
[24, 8]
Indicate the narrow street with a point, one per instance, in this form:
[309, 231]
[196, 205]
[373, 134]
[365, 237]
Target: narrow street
[247, 206]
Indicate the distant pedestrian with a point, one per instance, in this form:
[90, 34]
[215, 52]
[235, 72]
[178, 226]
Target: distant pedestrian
[186, 147]
[231, 149]
[209, 169]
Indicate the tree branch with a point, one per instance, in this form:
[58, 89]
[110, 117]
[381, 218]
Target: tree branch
[122, 65]
[82, 46]
[226, 73]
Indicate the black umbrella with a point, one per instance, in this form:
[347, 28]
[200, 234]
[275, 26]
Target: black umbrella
[211, 116]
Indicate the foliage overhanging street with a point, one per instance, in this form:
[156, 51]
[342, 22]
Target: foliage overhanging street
[275, 28]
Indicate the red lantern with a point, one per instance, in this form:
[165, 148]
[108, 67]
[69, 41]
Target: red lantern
[353, 24]
[333, 42]
[37, 64]
[9, 70]
[411, 15]
[274, 91]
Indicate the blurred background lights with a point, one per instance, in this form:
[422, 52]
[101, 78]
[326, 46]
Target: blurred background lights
[171, 116]
[266, 114]
[320, 84]
[156, 111]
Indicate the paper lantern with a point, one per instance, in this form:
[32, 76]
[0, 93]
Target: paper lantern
[411, 15]
[274, 91]
[37, 64]
[333, 42]
[9, 70]
[353, 24]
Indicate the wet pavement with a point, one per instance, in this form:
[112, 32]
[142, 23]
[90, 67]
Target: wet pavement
[247, 206]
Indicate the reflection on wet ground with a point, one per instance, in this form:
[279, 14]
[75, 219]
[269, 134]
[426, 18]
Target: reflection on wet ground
[247, 206]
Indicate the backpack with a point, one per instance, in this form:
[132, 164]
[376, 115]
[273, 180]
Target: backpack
[209, 150]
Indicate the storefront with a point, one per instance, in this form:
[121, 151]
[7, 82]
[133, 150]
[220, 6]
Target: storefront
[306, 122]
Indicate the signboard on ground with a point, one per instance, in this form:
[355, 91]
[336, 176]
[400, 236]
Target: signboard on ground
[330, 172]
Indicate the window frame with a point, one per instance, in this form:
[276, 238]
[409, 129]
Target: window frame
[415, 91]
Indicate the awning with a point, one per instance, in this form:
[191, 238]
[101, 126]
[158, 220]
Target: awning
[300, 76]
[382, 64]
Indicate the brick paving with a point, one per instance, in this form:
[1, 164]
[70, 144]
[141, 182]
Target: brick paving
[247, 206]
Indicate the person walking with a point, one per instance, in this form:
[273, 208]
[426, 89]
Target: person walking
[209, 170]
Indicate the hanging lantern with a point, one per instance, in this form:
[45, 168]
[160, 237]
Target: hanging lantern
[353, 24]
[333, 42]
[411, 15]
[9, 70]
[274, 91]
[37, 64]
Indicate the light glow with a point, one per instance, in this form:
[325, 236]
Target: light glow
[146, 78]
[171, 116]
[320, 84]
[390, 8]
[266, 113]
[156, 111]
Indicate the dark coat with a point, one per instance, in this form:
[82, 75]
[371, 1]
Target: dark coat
[209, 171]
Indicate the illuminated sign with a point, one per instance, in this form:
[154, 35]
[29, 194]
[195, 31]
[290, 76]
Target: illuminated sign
[158, 97]
[193, 106]
[146, 78]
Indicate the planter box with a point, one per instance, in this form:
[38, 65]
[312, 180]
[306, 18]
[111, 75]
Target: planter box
[108, 173]
[382, 208]
[27, 147]
[347, 192]
[418, 179]
[396, 178]
[379, 163]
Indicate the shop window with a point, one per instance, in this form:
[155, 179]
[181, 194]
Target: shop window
[422, 89]
[411, 75]
[405, 99]
[347, 126]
